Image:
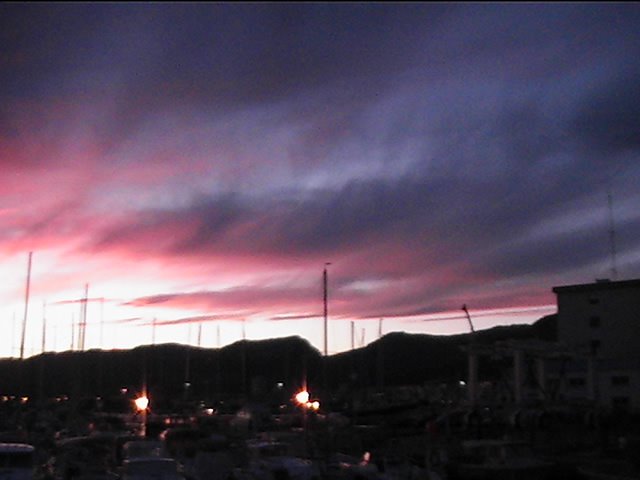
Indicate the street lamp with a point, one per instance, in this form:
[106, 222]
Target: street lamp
[302, 397]
[306, 404]
[142, 404]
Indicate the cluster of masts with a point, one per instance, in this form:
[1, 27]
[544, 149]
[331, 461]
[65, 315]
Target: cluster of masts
[78, 342]
[82, 326]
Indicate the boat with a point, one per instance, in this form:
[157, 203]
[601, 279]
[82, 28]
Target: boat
[270, 459]
[611, 469]
[142, 448]
[17, 461]
[151, 468]
[91, 457]
[497, 459]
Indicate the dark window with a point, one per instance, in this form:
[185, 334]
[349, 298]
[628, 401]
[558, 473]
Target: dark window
[594, 300]
[594, 322]
[577, 382]
[595, 346]
[620, 403]
[619, 380]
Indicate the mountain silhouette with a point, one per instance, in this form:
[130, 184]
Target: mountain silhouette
[272, 369]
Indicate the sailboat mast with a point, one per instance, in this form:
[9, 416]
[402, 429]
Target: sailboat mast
[612, 237]
[26, 307]
[326, 309]
[44, 325]
[83, 318]
[73, 331]
[353, 335]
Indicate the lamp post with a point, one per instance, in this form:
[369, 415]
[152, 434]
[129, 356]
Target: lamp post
[142, 404]
[325, 288]
[304, 401]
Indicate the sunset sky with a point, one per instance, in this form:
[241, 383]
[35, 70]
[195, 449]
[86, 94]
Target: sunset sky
[196, 165]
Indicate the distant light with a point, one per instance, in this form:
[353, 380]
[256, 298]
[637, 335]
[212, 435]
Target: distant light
[209, 411]
[315, 405]
[462, 383]
[24, 399]
[142, 403]
[302, 397]
[123, 390]
[280, 384]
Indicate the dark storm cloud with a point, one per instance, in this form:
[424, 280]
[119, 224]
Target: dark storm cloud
[608, 119]
[157, 54]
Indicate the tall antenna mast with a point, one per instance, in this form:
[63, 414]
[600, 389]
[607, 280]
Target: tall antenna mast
[26, 307]
[612, 237]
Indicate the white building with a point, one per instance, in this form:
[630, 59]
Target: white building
[600, 323]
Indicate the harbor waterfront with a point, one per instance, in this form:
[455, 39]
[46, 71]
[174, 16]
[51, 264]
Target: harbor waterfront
[392, 432]
[517, 402]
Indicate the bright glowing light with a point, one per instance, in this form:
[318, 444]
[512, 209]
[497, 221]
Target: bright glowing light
[302, 397]
[142, 402]
[315, 405]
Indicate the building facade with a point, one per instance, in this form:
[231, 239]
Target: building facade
[600, 323]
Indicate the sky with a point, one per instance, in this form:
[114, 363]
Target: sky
[185, 172]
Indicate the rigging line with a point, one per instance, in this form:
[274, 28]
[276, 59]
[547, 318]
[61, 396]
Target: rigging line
[487, 314]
